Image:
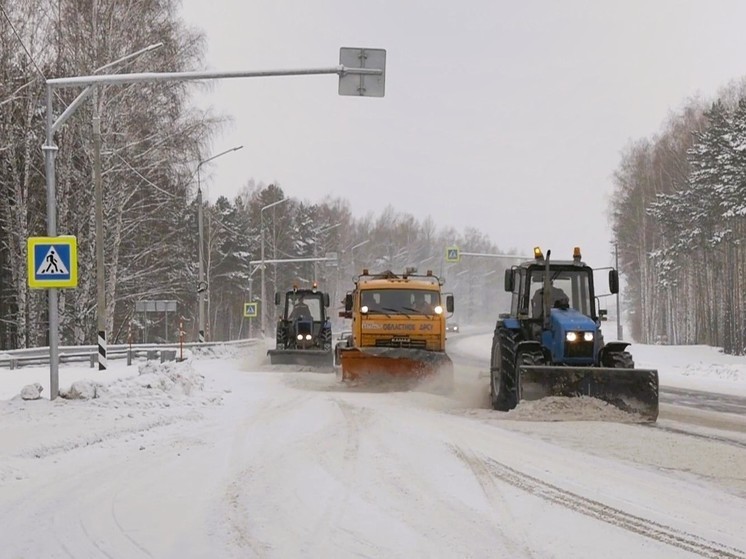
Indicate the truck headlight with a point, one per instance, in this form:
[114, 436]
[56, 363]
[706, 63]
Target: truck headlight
[308, 336]
[588, 336]
[571, 336]
[364, 309]
[300, 336]
[438, 310]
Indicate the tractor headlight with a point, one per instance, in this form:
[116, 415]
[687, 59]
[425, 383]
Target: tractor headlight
[571, 336]
[588, 336]
[364, 309]
[438, 310]
[308, 337]
[300, 336]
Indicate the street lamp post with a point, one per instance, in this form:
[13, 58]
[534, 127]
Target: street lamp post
[352, 253]
[264, 293]
[99, 201]
[202, 286]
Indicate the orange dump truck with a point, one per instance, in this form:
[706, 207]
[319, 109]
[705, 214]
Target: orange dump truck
[398, 328]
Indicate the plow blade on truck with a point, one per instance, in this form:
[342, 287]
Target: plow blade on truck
[394, 365]
[301, 357]
[631, 390]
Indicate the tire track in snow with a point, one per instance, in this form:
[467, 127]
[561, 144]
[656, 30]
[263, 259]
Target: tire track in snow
[235, 516]
[714, 438]
[605, 513]
[487, 482]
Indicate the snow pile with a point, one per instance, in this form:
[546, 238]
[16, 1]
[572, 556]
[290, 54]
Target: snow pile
[156, 383]
[31, 391]
[561, 408]
[170, 377]
[81, 390]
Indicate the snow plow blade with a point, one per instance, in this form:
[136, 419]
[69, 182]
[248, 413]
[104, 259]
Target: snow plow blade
[301, 357]
[395, 364]
[631, 390]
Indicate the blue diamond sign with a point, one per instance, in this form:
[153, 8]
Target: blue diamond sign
[452, 254]
[250, 310]
[52, 262]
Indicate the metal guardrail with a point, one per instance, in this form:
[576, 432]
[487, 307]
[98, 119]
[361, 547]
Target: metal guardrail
[40, 355]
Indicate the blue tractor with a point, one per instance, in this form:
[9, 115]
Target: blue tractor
[304, 331]
[551, 344]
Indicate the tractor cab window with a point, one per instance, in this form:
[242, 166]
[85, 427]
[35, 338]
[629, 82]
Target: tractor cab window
[400, 301]
[572, 286]
[312, 302]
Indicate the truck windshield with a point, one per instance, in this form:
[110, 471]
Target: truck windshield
[400, 301]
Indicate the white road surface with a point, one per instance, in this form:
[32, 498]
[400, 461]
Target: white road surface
[229, 457]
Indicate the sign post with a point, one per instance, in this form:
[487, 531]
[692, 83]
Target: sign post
[453, 254]
[250, 310]
[51, 263]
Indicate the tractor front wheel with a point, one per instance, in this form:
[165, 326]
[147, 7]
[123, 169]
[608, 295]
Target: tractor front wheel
[502, 397]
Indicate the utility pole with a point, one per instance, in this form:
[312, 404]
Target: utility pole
[98, 189]
[262, 304]
[202, 286]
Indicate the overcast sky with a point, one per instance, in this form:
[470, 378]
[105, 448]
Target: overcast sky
[506, 116]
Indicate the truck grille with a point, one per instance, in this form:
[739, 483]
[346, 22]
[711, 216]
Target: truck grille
[579, 349]
[401, 342]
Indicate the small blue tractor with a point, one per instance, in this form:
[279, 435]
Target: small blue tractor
[304, 332]
[551, 344]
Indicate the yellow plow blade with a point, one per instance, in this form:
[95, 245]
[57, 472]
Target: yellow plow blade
[394, 364]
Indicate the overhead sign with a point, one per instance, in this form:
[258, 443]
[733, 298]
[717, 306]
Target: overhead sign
[453, 254]
[250, 310]
[52, 261]
[367, 85]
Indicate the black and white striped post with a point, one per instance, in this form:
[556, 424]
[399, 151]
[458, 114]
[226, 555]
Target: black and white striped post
[101, 350]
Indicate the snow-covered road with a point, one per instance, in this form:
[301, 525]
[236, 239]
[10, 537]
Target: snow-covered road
[233, 458]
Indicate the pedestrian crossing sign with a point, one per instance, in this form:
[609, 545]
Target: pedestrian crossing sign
[250, 310]
[52, 261]
[452, 254]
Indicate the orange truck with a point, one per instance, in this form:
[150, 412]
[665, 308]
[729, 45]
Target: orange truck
[398, 328]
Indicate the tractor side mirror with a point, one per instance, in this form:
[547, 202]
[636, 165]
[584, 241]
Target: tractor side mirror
[326, 299]
[509, 281]
[277, 298]
[449, 303]
[348, 302]
[613, 281]
[603, 314]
